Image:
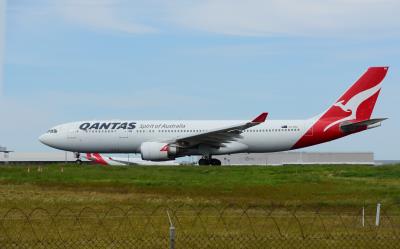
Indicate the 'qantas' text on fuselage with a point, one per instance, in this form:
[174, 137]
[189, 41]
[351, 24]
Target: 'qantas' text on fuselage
[108, 125]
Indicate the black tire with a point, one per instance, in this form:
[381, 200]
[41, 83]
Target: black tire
[215, 162]
[79, 161]
[204, 162]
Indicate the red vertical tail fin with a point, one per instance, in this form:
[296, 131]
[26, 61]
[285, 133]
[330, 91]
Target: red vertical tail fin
[355, 105]
[96, 158]
[358, 102]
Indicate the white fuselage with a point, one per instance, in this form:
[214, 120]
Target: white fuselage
[271, 136]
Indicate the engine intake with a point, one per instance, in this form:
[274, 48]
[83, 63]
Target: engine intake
[155, 151]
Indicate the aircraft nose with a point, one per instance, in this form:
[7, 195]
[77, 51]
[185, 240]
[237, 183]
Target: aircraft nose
[43, 139]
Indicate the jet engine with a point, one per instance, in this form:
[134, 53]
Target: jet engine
[155, 151]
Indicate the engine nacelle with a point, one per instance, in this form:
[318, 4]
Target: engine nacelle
[155, 151]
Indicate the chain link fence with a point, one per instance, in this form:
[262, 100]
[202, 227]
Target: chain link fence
[201, 227]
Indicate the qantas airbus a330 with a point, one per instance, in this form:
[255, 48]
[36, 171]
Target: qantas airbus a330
[162, 140]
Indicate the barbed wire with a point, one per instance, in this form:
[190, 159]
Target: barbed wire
[231, 226]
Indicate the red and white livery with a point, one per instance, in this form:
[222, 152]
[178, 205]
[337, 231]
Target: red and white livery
[163, 140]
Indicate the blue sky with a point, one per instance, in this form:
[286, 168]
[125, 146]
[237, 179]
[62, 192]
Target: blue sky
[70, 60]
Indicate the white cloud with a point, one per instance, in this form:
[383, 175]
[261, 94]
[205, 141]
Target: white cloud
[98, 15]
[2, 41]
[316, 18]
[101, 15]
[287, 17]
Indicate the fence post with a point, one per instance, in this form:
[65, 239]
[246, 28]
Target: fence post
[378, 214]
[363, 217]
[171, 233]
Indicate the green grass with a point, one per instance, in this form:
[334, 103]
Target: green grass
[212, 207]
[314, 185]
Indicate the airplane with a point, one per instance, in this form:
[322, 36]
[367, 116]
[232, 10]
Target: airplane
[6, 153]
[4, 149]
[119, 161]
[102, 160]
[163, 140]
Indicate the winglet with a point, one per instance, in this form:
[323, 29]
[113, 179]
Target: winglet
[261, 118]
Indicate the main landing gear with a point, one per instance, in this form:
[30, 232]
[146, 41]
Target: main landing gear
[209, 161]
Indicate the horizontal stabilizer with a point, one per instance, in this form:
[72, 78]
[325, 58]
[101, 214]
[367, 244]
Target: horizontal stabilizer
[368, 124]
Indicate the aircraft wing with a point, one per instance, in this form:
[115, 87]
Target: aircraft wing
[4, 149]
[121, 161]
[217, 137]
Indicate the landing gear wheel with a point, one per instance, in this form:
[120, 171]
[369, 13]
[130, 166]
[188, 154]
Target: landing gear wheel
[203, 162]
[215, 162]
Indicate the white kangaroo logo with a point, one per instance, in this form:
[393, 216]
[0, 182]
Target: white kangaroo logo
[353, 104]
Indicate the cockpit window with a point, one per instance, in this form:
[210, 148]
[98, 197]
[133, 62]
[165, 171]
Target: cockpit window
[52, 131]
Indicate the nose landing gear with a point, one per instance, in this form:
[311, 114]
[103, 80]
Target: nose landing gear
[78, 157]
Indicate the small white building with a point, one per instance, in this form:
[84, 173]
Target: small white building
[37, 157]
[281, 158]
